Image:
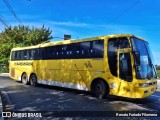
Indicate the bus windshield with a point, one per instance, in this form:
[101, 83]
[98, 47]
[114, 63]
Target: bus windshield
[146, 69]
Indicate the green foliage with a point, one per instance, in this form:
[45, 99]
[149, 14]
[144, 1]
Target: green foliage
[158, 70]
[5, 70]
[157, 67]
[21, 36]
[158, 73]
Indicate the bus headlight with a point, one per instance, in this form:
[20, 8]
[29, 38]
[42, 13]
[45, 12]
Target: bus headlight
[143, 84]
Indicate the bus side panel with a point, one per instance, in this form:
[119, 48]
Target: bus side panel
[79, 74]
[65, 68]
[40, 69]
[48, 70]
[84, 71]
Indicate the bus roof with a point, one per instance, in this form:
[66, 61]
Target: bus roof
[45, 44]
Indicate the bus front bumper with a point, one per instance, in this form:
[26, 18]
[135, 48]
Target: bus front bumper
[145, 91]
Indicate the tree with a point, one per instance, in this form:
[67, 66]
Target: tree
[157, 67]
[21, 36]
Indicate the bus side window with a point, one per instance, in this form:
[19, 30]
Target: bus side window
[112, 55]
[68, 51]
[42, 53]
[123, 43]
[53, 52]
[98, 48]
[49, 52]
[64, 51]
[58, 50]
[31, 54]
[21, 55]
[76, 50]
[13, 55]
[18, 55]
[72, 50]
[37, 54]
[84, 49]
[26, 54]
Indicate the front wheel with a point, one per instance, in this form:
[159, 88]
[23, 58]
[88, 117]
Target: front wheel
[100, 89]
[33, 80]
[24, 78]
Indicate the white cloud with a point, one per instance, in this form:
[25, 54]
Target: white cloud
[76, 28]
[80, 24]
[63, 25]
[73, 24]
[95, 29]
[30, 17]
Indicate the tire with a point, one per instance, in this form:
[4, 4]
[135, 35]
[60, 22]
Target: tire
[100, 89]
[24, 79]
[33, 80]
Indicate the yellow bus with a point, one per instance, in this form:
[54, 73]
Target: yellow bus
[119, 65]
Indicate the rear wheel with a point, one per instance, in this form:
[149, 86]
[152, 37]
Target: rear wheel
[100, 89]
[24, 78]
[33, 80]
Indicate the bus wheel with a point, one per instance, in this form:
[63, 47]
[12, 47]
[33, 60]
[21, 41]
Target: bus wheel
[100, 89]
[33, 80]
[24, 79]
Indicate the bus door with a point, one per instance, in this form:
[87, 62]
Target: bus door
[125, 78]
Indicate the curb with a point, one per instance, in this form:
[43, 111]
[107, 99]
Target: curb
[4, 74]
[1, 107]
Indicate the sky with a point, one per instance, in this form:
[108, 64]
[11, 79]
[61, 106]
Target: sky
[89, 18]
